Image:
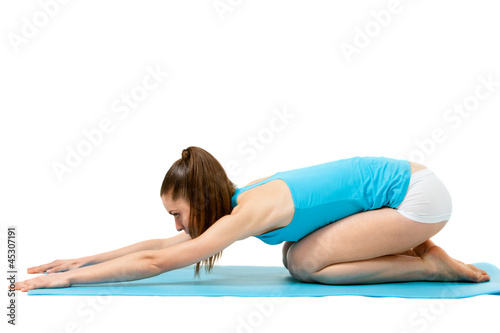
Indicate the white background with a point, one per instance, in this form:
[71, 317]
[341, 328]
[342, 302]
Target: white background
[229, 70]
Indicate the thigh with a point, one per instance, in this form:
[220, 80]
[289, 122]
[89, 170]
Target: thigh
[361, 236]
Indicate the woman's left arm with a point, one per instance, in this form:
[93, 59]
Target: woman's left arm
[144, 264]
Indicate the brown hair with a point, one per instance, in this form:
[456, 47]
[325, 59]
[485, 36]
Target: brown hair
[200, 179]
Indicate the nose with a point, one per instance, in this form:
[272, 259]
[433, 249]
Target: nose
[179, 226]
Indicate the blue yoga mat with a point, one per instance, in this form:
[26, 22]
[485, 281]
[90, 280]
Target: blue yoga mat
[273, 281]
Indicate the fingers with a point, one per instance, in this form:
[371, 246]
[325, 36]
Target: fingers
[36, 270]
[43, 281]
[42, 268]
[60, 268]
[54, 269]
[20, 286]
[55, 266]
[27, 285]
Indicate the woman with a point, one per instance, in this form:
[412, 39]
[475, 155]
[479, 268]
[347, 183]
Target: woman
[384, 211]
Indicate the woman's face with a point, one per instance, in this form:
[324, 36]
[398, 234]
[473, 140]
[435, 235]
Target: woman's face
[180, 210]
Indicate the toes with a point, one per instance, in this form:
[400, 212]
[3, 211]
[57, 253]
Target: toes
[479, 274]
[484, 275]
[450, 269]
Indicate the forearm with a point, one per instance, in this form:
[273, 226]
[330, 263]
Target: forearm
[133, 266]
[152, 244]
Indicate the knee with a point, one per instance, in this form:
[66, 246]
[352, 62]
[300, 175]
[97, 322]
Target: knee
[301, 267]
[286, 247]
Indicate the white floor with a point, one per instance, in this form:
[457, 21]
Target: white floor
[229, 314]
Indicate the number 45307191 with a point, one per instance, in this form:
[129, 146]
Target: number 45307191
[11, 244]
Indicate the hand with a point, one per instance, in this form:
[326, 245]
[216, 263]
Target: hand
[59, 265]
[60, 280]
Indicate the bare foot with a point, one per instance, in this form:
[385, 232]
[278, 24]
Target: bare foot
[445, 268]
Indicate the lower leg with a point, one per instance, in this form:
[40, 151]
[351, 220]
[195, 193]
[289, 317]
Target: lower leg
[431, 263]
[392, 268]
[365, 248]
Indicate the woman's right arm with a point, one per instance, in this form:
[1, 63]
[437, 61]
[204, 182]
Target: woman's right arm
[69, 264]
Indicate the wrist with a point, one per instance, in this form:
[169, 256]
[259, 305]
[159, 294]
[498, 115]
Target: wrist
[89, 260]
[69, 277]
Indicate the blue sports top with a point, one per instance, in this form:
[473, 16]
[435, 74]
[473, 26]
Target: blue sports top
[328, 192]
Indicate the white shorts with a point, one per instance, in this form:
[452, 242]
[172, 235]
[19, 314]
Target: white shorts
[427, 199]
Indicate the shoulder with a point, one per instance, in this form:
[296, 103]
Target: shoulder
[258, 180]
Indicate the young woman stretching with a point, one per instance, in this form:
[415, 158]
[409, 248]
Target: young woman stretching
[384, 211]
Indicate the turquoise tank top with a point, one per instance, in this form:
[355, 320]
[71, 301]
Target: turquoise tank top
[328, 192]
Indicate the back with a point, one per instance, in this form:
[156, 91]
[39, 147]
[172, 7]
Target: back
[328, 192]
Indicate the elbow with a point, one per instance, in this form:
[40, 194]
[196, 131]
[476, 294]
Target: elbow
[154, 269]
[151, 263]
